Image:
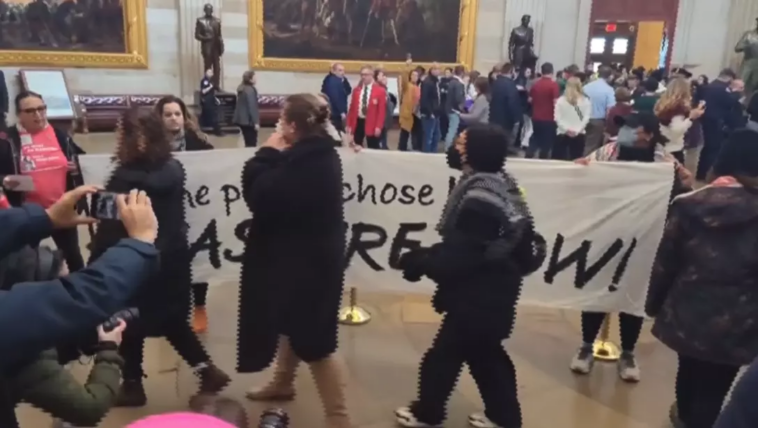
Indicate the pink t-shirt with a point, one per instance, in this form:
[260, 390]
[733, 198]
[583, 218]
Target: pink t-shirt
[181, 420]
[42, 159]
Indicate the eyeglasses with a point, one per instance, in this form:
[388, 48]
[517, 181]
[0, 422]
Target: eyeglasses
[40, 109]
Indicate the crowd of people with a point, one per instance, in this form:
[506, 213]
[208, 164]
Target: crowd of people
[54, 306]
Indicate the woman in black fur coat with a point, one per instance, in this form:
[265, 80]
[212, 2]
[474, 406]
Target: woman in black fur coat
[186, 136]
[488, 245]
[294, 259]
[143, 161]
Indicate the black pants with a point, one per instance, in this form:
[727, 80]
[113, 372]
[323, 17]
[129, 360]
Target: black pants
[178, 333]
[489, 364]
[700, 390]
[67, 241]
[250, 135]
[416, 136]
[372, 141]
[713, 138]
[568, 148]
[339, 124]
[543, 137]
[199, 293]
[630, 326]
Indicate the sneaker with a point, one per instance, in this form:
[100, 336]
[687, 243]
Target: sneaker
[628, 369]
[583, 360]
[479, 420]
[131, 394]
[405, 418]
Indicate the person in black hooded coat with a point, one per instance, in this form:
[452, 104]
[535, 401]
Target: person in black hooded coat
[488, 244]
[143, 161]
[186, 136]
[294, 258]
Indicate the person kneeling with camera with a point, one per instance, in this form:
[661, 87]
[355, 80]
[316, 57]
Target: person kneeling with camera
[43, 382]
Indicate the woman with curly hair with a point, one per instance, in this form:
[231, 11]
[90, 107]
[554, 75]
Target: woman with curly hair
[143, 161]
[675, 113]
[186, 136]
[294, 258]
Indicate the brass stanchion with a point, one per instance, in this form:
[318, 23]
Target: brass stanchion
[353, 314]
[603, 349]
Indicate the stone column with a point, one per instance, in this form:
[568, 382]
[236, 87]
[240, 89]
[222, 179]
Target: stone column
[489, 35]
[582, 36]
[742, 15]
[191, 66]
[514, 10]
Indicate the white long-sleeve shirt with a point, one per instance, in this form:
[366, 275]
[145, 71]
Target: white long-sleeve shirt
[675, 132]
[569, 119]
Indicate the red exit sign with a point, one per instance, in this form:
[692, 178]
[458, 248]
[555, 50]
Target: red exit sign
[610, 28]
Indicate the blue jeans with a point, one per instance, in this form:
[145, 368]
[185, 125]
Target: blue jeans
[431, 126]
[453, 122]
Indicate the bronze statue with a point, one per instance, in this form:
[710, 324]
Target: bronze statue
[208, 33]
[521, 45]
[748, 46]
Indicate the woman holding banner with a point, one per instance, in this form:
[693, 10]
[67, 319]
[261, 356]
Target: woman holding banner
[144, 161]
[704, 287]
[186, 136]
[645, 144]
[294, 258]
[488, 245]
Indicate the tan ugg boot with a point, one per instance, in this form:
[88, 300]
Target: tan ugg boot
[282, 386]
[328, 377]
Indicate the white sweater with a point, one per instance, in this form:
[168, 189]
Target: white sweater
[675, 132]
[568, 119]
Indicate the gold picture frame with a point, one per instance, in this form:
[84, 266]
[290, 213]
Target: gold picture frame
[135, 57]
[466, 45]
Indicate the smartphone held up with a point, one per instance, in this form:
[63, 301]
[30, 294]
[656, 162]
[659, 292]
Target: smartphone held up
[103, 206]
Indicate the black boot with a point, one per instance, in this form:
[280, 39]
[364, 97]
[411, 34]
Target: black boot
[131, 394]
[212, 379]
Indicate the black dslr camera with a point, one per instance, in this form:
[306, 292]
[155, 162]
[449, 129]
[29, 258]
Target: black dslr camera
[274, 418]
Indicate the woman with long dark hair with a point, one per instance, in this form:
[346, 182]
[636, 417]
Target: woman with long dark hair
[186, 136]
[410, 121]
[294, 258]
[143, 160]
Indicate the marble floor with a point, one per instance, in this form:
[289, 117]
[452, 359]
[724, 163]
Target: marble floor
[381, 360]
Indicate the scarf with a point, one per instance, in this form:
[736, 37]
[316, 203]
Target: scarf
[179, 143]
[499, 190]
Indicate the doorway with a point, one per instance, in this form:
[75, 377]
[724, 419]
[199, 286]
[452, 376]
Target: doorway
[612, 43]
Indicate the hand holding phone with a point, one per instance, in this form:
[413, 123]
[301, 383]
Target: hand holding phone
[104, 206]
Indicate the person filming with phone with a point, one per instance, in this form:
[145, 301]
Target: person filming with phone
[42, 381]
[144, 161]
[38, 163]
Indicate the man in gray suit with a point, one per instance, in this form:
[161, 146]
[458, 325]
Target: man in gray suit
[454, 104]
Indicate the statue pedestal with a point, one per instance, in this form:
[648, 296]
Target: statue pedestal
[225, 110]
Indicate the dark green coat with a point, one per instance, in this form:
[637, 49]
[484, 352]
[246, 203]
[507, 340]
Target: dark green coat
[48, 386]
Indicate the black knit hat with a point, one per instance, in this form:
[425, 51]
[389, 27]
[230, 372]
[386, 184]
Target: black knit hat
[486, 147]
[738, 155]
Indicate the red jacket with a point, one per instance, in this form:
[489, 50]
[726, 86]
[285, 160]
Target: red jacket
[375, 113]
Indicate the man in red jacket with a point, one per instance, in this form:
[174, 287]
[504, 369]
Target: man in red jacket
[367, 111]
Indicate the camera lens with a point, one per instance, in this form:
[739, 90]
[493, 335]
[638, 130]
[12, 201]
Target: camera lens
[274, 418]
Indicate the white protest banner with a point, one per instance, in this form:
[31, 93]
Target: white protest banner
[602, 222]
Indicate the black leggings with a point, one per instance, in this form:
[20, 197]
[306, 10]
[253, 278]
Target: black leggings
[416, 136]
[179, 334]
[489, 364]
[701, 388]
[199, 293]
[630, 326]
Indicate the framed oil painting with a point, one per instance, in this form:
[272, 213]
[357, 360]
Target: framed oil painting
[73, 33]
[52, 86]
[309, 35]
